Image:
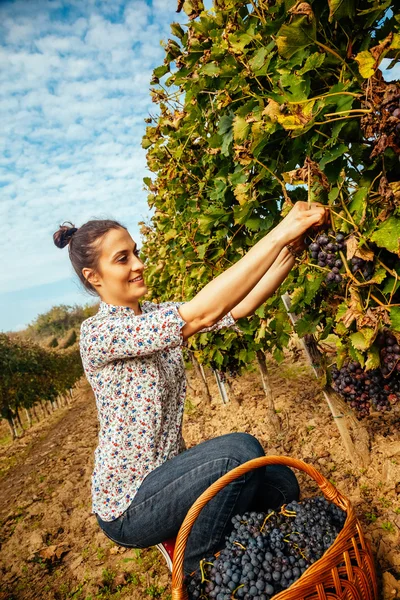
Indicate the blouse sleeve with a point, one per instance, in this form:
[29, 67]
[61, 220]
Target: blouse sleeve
[103, 341]
[226, 321]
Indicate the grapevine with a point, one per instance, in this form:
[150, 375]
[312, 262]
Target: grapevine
[276, 105]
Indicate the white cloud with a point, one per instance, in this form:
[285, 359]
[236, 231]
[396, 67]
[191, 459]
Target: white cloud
[74, 92]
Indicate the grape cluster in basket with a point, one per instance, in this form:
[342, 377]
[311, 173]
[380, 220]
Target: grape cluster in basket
[267, 552]
[326, 252]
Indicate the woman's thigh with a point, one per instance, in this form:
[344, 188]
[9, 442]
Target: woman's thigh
[166, 494]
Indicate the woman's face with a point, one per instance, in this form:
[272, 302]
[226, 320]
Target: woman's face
[118, 266]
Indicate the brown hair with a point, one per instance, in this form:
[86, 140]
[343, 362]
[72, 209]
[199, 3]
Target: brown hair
[84, 250]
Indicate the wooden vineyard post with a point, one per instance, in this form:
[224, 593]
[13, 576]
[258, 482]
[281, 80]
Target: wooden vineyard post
[231, 394]
[221, 387]
[198, 369]
[354, 436]
[271, 414]
[18, 418]
[28, 417]
[35, 413]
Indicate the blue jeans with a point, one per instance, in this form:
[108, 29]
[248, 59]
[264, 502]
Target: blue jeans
[166, 494]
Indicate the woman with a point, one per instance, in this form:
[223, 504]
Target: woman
[144, 480]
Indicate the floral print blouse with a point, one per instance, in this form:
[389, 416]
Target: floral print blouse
[135, 367]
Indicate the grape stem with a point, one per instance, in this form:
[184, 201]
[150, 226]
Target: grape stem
[240, 545]
[266, 519]
[324, 96]
[346, 266]
[351, 110]
[316, 266]
[341, 217]
[203, 577]
[346, 210]
[337, 119]
[236, 589]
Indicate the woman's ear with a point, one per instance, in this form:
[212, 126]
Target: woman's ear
[91, 276]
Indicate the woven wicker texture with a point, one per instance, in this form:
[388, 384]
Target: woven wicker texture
[345, 572]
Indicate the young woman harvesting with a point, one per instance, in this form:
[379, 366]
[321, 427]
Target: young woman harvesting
[144, 480]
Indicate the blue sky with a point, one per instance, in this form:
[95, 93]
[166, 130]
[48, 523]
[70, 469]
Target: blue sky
[74, 92]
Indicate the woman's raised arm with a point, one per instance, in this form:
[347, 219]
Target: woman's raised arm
[227, 290]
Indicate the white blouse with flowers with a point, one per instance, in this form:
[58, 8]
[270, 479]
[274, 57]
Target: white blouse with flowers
[135, 367]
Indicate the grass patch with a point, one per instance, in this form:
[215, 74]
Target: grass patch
[388, 526]
[293, 371]
[371, 517]
[154, 591]
[101, 554]
[190, 408]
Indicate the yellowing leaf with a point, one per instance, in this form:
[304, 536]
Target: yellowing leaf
[373, 360]
[290, 121]
[240, 129]
[363, 339]
[272, 110]
[396, 41]
[170, 235]
[241, 193]
[366, 63]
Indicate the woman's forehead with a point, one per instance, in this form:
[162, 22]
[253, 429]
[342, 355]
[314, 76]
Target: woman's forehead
[116, 239]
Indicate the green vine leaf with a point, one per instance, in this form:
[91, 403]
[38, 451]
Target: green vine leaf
[395, 317]
[388, 235]
[297, 35]
[338, 9]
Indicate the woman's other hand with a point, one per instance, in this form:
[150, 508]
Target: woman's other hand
[300, 219]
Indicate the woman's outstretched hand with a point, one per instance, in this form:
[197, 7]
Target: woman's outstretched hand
[300, 219]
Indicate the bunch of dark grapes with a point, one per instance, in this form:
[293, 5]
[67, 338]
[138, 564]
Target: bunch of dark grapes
[267, 552]
[325, 252]
[365, 389]
[381, 124]
[366, 267]
[389, 352]
[393, 107]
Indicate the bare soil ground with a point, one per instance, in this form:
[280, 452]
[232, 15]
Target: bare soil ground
[52, 547]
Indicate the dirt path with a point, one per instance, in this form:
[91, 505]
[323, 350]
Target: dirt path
[53, 444]
[52, 547]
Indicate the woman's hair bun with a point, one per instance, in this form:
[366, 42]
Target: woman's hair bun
[63, 236]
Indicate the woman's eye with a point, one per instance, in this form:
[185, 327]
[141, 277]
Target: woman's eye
[135, 252]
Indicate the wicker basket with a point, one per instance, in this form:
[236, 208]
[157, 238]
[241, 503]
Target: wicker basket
[346, 570]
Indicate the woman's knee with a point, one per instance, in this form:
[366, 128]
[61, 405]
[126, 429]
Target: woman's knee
[242, 447]
[284, 479]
